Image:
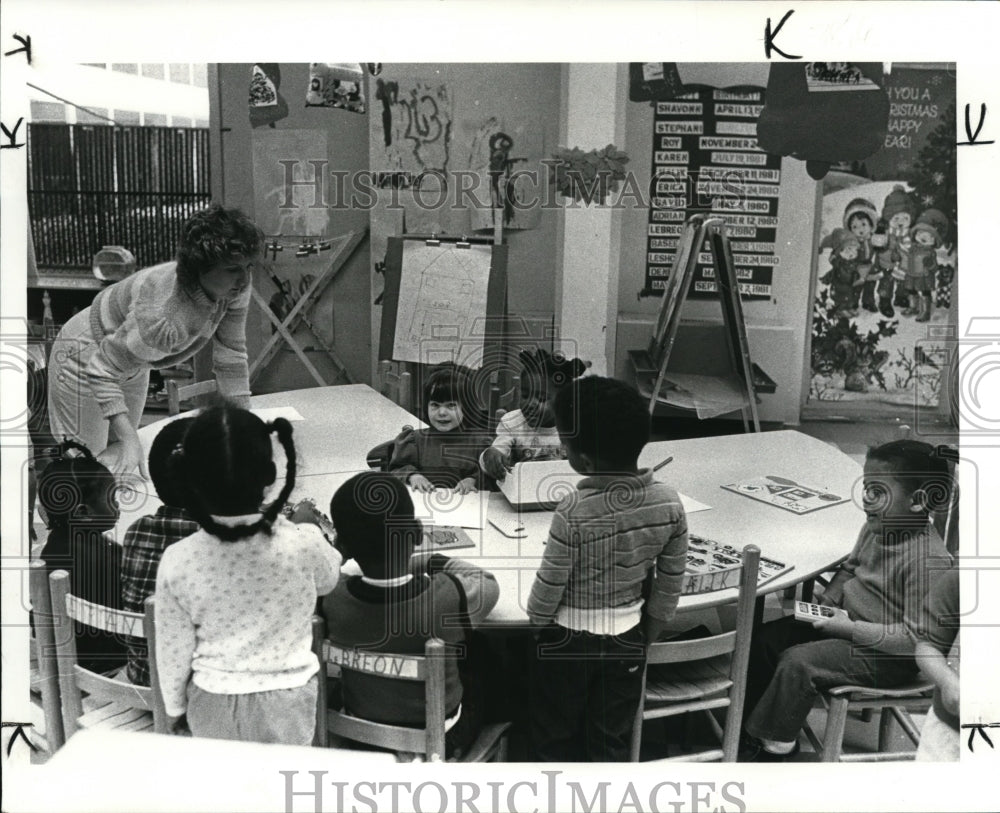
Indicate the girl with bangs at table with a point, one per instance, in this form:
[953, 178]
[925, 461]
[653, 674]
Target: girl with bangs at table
[234, 601]
[445, 454]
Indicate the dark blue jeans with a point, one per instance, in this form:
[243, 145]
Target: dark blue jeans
[584, 693]
[791, 663]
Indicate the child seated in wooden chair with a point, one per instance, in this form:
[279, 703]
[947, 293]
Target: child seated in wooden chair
[80, 499]
[882, 588]
[446, 454]
[401, 601]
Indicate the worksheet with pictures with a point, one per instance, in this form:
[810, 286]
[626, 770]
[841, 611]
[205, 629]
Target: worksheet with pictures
[787, 494]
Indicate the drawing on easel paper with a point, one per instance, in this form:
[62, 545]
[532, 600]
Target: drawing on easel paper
[441, 296]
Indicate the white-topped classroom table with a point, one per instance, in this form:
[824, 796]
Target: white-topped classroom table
[343, 423]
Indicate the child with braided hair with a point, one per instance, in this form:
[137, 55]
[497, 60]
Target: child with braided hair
[234, 601]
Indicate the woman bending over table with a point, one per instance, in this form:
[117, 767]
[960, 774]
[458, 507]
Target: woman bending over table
[158, 317]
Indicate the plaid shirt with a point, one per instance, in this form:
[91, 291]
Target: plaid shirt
[145, 541]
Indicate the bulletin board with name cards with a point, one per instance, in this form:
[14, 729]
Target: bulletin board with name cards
[706, 158]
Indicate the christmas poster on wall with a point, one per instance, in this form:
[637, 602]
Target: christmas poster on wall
[887, 255]
[706, 158]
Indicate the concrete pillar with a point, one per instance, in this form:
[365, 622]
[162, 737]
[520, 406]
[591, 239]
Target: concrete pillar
[586, 295]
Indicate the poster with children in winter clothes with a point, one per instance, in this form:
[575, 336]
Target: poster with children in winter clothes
[886, 262]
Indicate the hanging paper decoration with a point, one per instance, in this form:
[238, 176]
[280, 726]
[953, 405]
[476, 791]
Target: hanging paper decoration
[266, 104]
[336, 84]
[824, 112]
[653, 81]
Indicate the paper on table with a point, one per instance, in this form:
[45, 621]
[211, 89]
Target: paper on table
[445, 507]
[691, 505]
[269, 414]
[539, 485]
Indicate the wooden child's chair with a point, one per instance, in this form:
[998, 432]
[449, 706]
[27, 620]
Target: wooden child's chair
[45, 677]
[396, 384]
[897, 704]
[111, 703]
[703, 674]
[427, 743]
[178, 394]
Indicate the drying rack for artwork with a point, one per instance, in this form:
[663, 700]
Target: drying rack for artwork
[287, 312]
[736, 388]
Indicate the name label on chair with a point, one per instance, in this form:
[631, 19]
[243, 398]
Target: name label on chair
[104, 618]
[374, 663]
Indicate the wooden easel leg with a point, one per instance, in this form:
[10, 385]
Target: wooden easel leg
[290, 340]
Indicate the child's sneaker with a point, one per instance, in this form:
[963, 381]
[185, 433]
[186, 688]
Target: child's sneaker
[752, 750]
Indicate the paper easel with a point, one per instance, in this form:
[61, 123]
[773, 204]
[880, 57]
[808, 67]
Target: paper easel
[454, 298]
[736, 391]
[445, 300]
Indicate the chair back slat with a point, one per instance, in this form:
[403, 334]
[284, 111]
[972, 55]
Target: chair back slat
[177, 394]
[104, 618]
[379, 735]
[401, 667]
[45, 648]
[694, 650]
[139, 697]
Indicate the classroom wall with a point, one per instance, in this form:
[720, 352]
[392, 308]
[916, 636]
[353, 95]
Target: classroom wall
[346, 303]
[776, 328]
[527, 94]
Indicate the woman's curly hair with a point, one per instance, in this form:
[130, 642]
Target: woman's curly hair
[212, 235]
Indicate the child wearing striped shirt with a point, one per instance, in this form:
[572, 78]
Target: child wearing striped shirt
[609, 580]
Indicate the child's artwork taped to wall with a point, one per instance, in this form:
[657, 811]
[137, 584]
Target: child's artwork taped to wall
[265, 100]
[336, 84]
[415, 132]
[280, 207]
[505, 157]
[785, 493]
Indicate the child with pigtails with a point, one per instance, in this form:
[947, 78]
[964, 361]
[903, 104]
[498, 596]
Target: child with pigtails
[234, 601]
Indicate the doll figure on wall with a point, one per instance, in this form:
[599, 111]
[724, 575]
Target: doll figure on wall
[893, 239]
[926, 235]
[860, 218]
[844, 277]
